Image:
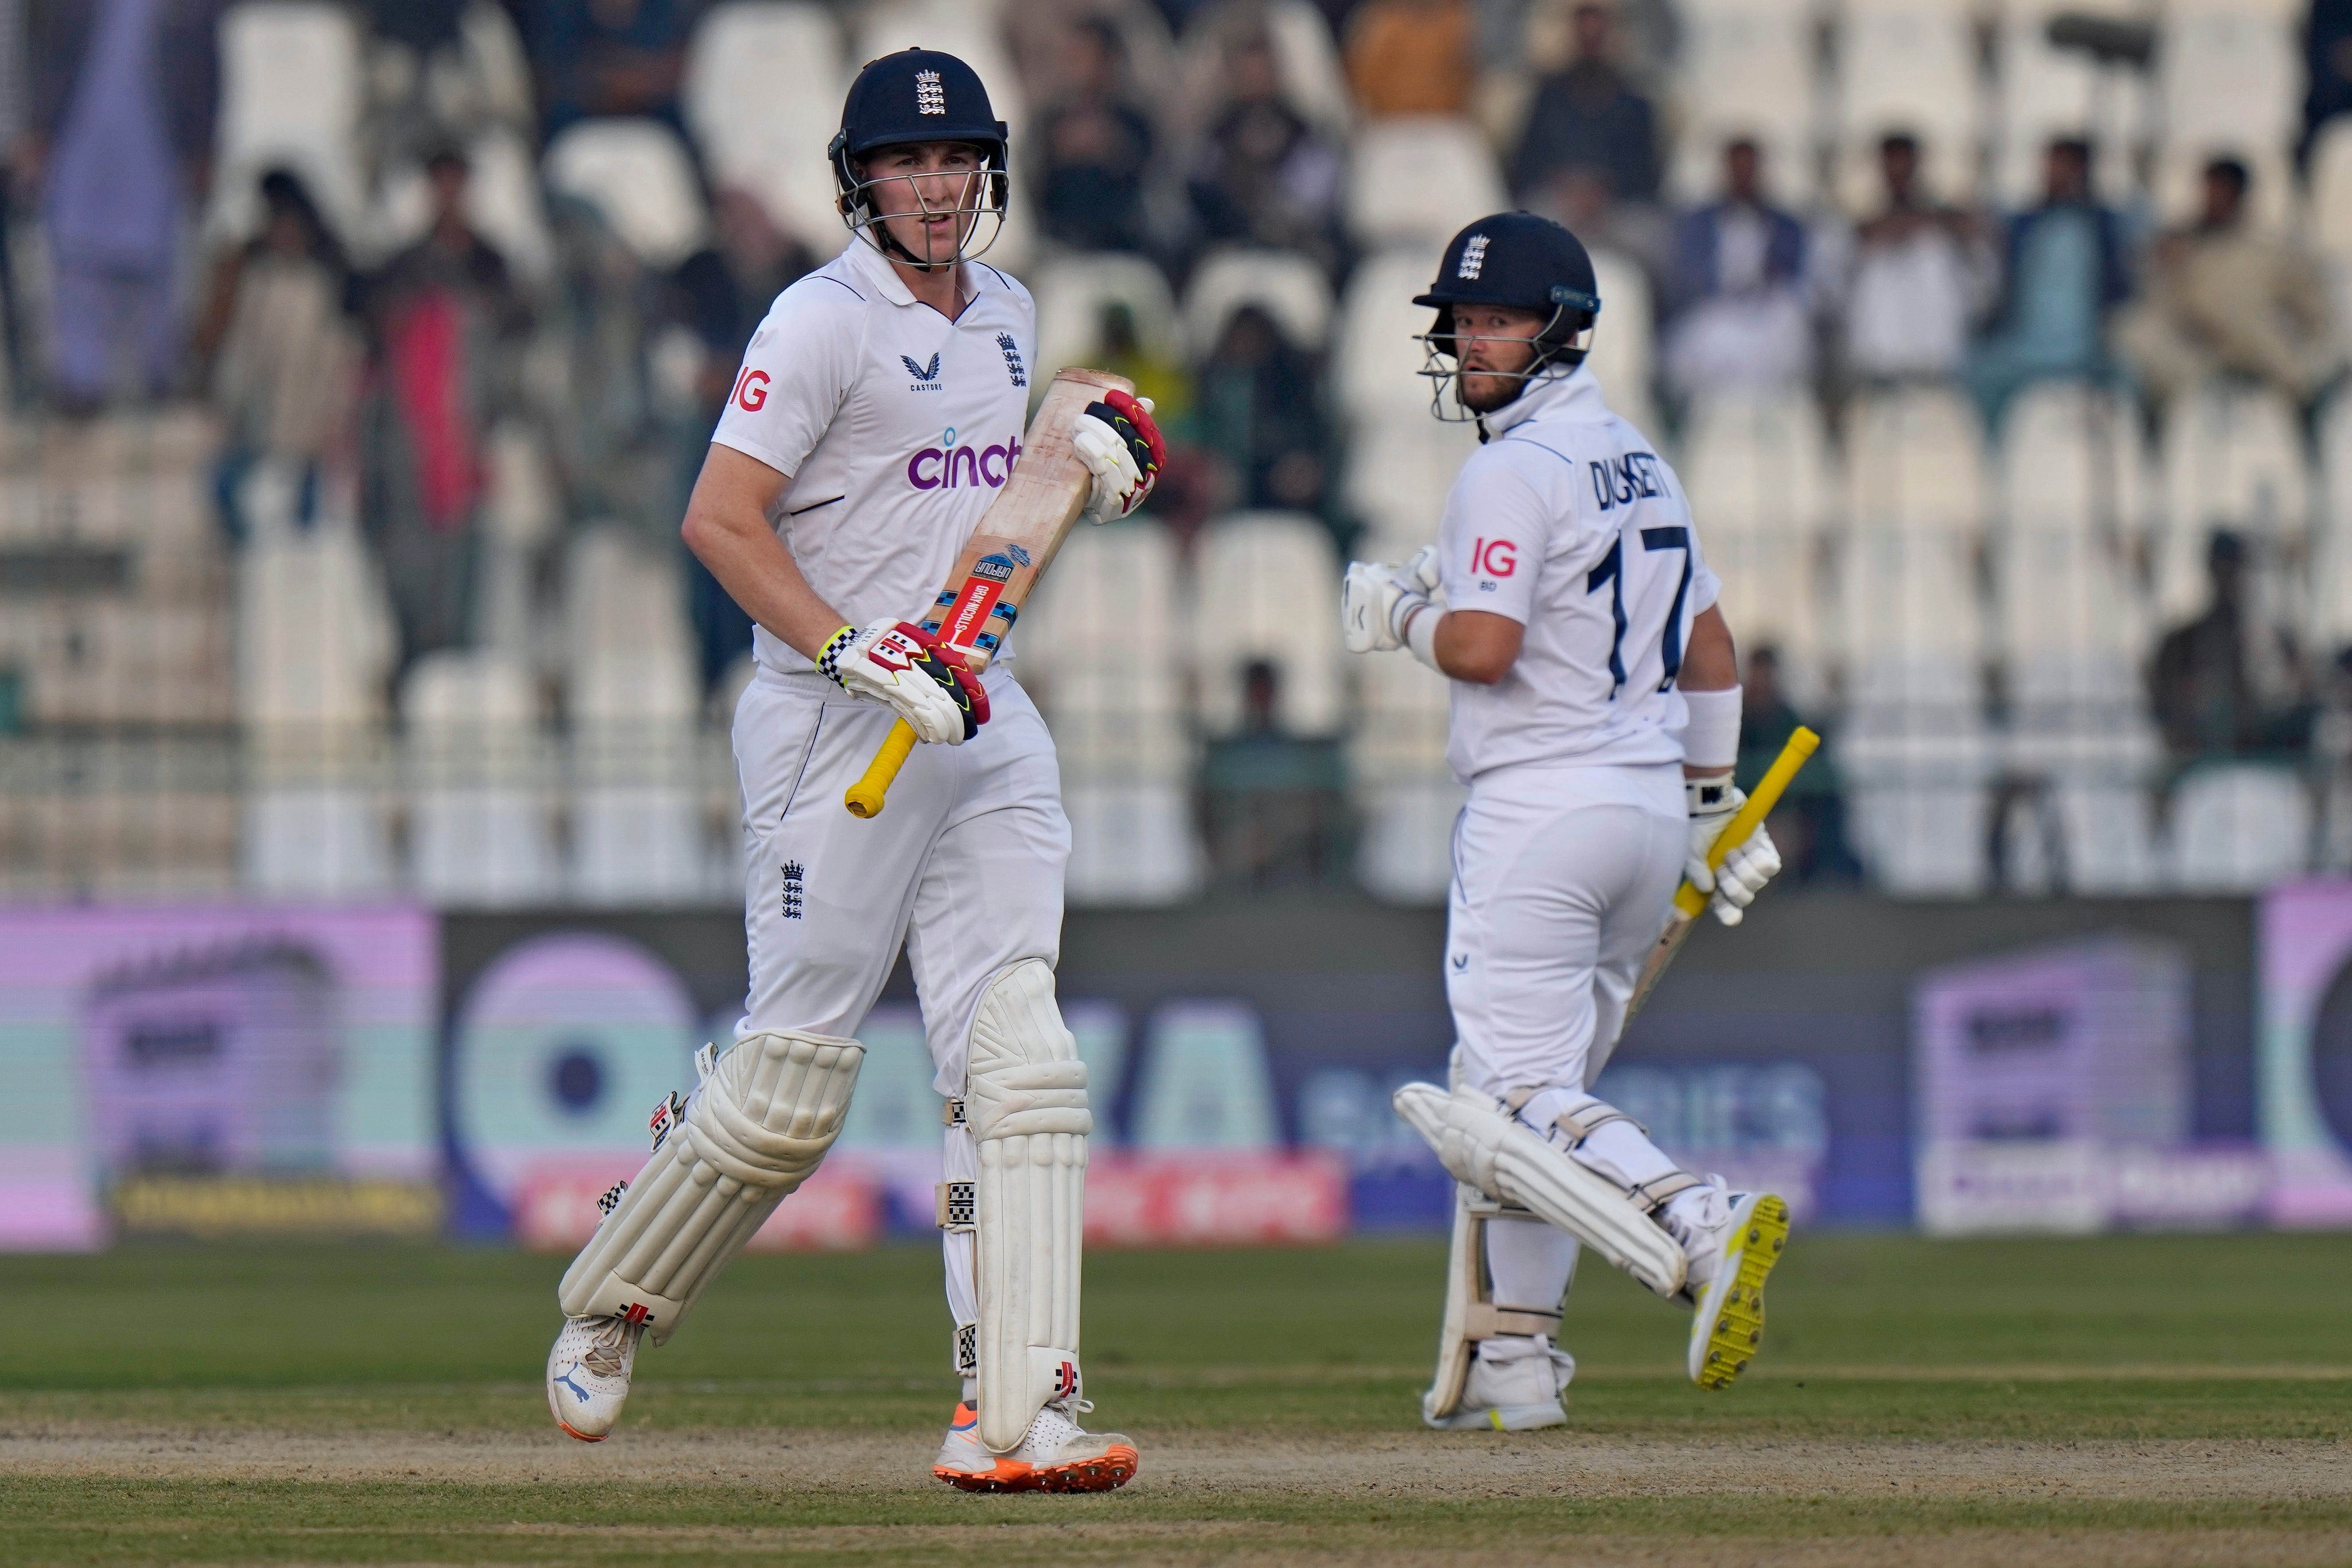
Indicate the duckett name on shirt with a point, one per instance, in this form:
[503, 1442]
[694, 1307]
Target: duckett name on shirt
[954, 467]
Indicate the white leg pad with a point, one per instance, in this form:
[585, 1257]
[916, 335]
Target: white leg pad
[1481, 1143]
[1026, 1106]
[753, 1130]
[1471, 1311]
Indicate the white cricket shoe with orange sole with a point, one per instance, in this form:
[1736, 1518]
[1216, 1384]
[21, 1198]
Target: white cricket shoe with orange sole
[1056, 1455]
[588, 1374]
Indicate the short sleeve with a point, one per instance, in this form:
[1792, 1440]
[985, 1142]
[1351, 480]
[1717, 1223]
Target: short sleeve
[1493, 541]
[795, 374]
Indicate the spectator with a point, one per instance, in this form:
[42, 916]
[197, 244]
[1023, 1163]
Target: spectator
[446, 325]
[1271, 803]
[1809, 823]
[282, 355]
[2228, 683]
[2223, 296]
[1412, 56]
[1737, 291]
[2064, 270]
[610, 57]
[2329, 55]
[1097, 146]
[1119, 348]
[1919, 273]
[1258, 411]
[1263, 176]
[1588, 114]
[124, 94]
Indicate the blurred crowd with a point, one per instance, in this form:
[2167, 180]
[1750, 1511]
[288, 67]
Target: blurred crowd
[363, 359]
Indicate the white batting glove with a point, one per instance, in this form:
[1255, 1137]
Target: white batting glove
[1121, 448]
[1377, 601]
[893, 663]
[1713, 800]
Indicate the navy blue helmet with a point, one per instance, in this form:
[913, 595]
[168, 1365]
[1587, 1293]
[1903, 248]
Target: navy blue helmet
[1518, 259]
[917, 95]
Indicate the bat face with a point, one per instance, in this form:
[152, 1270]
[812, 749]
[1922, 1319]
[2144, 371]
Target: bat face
[1022, 528]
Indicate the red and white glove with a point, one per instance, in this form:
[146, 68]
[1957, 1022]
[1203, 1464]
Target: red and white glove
[909, 670]
[1121, 448]
[1713, 800]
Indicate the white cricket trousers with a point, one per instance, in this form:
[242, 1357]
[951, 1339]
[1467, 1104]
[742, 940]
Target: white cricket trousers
[1562, 877]
[964, 864]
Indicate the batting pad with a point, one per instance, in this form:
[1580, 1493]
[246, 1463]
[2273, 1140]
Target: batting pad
[753, 1130]
[1026, 1106]
[1479, 1142]
[1471, 1312]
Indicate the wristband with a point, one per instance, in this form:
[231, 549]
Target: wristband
[1421, 635]
[828, 657]
[1711, 738]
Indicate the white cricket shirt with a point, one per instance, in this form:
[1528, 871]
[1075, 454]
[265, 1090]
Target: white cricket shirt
[897, 425]
[1568, 521]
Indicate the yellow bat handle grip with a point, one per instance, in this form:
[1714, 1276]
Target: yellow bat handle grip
[1766, 796]
[865, 797]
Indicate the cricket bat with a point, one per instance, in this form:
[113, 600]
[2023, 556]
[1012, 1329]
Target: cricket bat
[1689, 902]
[1015, 543]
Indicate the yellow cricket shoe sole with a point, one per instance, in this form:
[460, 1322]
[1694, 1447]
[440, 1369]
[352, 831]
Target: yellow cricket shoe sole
[1728, 1326]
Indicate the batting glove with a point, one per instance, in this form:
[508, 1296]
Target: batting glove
[910, 671]
[1713, 800]
[1377, 601]
[1121, 448]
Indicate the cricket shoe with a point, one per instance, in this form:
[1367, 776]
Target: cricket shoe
[588, 1374]
[1056, 1455]
[1733, 1239]
[1514, 1389]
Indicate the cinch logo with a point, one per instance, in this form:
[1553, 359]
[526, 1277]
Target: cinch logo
[962, 467]
[1493, 558]
[751, 391]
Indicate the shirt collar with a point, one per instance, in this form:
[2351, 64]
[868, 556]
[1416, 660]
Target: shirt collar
[1576, 395]
[868, 262]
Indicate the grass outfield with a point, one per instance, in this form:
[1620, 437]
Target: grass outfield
[2122, 1400]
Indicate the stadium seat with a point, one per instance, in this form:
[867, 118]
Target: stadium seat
[1418, 179]
[1098, 650]
[1288, 286]
[2328, 206]
[633, 701]
[1915, 520]
[2047, 92]
[1399, 780]
[1907, 65]
[1071, 292]
[1265, 583]
[291, 95]
[477, 771]
[1307, 59]
[2229, 79]
[1625, 356]
[762, 96]
[1373, 367]
[2233, 458]
[1398, 472]
[2073, 511]
[2237, 827]
[1746, 68]
[640, 176]
[1918, 804]
[1759, 476]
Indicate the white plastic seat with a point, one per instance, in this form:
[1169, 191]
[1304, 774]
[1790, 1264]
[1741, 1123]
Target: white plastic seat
[1746, 68]
[1374, 366]
[478, 764]
[639, 175]
[1398, 776]
[1915, 516]
[1624, 355]
[2232, 459]
[2237, 827]
[2328, 206]
[1418, 179]
[1314, 83]
[2047, 92]
[1289, 286]
[291, 95]
[2072, 499]
[1757, 473]
[1907, 65]
[761, 95]
[1398, 472]
[2229, 76]
[1072, 292]
[1266, 583]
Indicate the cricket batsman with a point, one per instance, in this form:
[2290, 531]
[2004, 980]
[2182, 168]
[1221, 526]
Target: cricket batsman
[1595, 718]
[878, 409]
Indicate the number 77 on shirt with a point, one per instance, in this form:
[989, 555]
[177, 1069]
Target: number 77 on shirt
[1002, 560]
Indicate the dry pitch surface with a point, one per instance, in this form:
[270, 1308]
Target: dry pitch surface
[2125, 1401]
